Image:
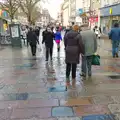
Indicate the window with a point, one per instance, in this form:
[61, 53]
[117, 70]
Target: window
[116, 1]
[107, 2]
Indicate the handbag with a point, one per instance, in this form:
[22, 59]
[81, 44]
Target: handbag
[96, 60]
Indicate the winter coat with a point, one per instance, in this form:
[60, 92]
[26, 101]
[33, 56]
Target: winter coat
[58, 36]
[37, 32]
[48, 39]
[73, 47]
[89, 41]
[32, 38]
[114, 34]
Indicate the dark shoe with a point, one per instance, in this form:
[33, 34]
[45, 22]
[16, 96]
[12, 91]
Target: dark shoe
[83, 78]
[117, 55]
[46, 60]
[58, 49]
[51, 58]
[67, 84]
[83, 75]
[89, 74]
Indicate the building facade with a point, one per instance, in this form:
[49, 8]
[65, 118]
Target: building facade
[66, 12]
[45, 19]
[91, 12]
[72, 11]
[109, 14]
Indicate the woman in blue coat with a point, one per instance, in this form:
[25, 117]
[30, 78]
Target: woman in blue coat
[58, 38]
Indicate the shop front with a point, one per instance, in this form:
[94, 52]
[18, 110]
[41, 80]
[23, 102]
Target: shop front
[108, 16]
[93, 21]
[4, 18]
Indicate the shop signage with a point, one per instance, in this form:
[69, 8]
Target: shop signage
[110, 11]
[3, 13]
[92, 19]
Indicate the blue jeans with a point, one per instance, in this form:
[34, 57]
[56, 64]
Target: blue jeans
[115, 45]
[86, 65]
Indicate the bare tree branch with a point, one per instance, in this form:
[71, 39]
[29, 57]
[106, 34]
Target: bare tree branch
[11, 6]
[28, 6]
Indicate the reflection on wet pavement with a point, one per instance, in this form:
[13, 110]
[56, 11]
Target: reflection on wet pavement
[31, 89]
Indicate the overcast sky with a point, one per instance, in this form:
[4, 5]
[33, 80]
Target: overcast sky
[53, 7]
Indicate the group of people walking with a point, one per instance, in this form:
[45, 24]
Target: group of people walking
[76, 43]
[48, 37]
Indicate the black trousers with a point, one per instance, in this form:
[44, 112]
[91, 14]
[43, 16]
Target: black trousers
[33, 49]
[49, 51]
[68, 70]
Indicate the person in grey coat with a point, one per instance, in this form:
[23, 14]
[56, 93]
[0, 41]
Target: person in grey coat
[73, 47]
[90, 42]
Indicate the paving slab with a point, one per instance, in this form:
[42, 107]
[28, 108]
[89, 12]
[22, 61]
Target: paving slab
[76, 101]
[5, 114]
[70, 118]
[102, 99]
[99, 117]
[116, 99]
[41, 96]
[57, 89]
[117, 116]
[29, 113]
[114, 108]
[91, 110]
[38, 103]
[35, 118]
[62, 112]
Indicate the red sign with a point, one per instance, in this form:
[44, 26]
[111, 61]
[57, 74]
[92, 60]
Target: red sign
[93, 19]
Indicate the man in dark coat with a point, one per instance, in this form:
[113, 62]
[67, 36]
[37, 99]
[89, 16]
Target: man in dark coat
[73, 47]
[48, 37]
[37, 32]
[33, 40]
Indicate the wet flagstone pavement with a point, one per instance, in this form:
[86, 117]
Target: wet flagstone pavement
[31, 89]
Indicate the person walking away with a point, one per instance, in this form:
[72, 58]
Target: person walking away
[114, 35]
[26, 32]
[33, 40]
[43, 34]
[58, 38]
[48, 37]
[90, 42]
[96, 31]
[67, 30]
[73, 48]
[37, 32]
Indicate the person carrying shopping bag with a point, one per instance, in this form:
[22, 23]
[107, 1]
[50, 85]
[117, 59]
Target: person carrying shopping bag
[90, 42]
[58, 38]
[73, 47]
